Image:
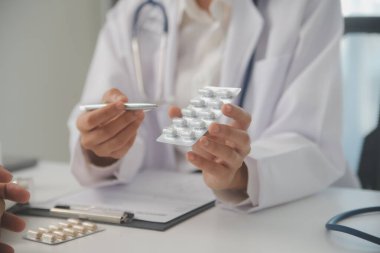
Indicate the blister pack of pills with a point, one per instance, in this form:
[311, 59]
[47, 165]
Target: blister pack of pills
[62, 232]
[203, 110]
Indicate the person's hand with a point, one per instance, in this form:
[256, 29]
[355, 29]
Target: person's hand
[15, 193]
[108, 133]
[220, 154]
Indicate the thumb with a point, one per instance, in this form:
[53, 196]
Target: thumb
[174, 112]
[114, 95]
[5, 176]
[6, 248]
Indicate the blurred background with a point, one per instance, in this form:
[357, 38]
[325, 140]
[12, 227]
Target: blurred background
[45, 50]
[46, 47]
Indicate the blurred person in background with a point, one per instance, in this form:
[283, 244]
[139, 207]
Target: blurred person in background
[283, 140]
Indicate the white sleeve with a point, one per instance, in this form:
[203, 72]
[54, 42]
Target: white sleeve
[107, 71]
[300, 152]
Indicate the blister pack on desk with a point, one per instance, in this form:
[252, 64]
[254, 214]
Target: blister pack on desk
[203, 110]
[62, 232]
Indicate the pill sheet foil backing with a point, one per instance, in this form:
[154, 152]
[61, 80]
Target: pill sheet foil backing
[62, 232]
[202, 111]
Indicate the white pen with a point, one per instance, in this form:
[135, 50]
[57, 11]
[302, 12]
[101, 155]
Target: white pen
[92, 214]
[128, 106]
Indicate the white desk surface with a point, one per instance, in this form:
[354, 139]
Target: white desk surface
[294, 227]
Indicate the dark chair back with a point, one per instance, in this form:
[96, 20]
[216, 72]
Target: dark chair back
[369, 168]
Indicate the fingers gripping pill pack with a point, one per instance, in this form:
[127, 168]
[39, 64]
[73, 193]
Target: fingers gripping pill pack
[62, 232]
[203, 110]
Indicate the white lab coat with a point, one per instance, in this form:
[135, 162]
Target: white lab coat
[294, 96]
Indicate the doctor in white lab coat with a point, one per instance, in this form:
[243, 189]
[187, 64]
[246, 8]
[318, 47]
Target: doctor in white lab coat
[292, 146]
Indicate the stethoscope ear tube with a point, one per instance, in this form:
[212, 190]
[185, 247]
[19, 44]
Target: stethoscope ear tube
[333, 225]
[137, 52]
[165, 25]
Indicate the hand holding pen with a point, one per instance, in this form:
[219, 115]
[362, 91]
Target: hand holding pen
[108, 133]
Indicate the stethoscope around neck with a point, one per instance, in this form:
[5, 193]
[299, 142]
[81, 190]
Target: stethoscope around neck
[159, 94]
[162, 51]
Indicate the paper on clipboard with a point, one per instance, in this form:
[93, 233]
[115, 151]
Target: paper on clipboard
[155, 196]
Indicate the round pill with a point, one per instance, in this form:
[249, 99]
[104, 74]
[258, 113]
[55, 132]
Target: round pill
[70, 232]
[187, 112]
[33, 235]
[198, 124]
[80, 229]
[206, 93]
[225, 94]
[199, 103]
[64, 225]
[207, 115]
[179, 122]
[215, 104]
[188, 135]
[73, 221]
[60, 235]
[90, 226]
[48, 238]
[170, 132]
[43, 230]
[54, 228]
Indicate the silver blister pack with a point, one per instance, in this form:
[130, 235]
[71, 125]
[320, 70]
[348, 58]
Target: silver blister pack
[203, 110]
[62, 232]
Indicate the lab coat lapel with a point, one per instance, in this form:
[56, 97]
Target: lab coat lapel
[243, 35]
[172, 7]
[165, 155]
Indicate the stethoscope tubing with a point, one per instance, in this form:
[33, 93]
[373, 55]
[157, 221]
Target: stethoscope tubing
[333, 225]
[162, 53]
[154, 3]
[163, 48]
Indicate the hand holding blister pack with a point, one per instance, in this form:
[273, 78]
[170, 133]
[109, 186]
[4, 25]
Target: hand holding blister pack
[202, 111]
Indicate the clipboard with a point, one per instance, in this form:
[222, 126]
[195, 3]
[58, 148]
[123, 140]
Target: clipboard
[136, 223]
[158, 199]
